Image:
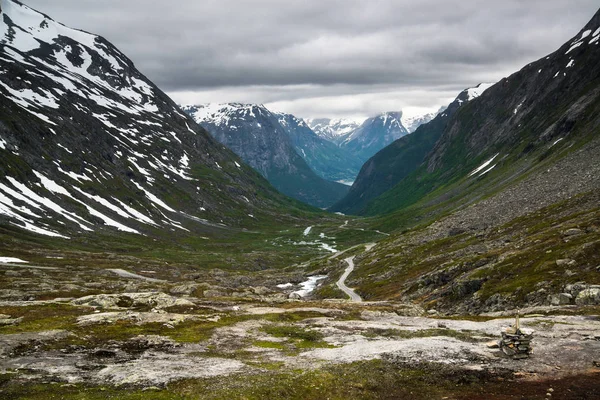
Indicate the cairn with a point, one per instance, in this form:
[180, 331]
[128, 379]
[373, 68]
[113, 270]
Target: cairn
[516, 342]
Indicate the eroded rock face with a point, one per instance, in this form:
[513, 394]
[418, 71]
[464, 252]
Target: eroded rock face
[160, 369]
[132, 300]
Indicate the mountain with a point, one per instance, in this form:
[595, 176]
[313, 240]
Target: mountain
[412, 122]
[333, 130]
[324, 157]
[502, 211]
[89, 144]
[257, 136]
[389, 166]
[517, 127]
[373, 135]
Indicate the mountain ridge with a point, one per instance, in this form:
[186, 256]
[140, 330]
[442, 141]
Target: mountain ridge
[89, 144]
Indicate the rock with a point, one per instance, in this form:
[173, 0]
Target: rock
[104, 353]
[515, 343]
[132, 300]
[464, 288]
[561, 299]
[261, 290]
[572, 232]
[492, 345]
[6, 320]
[214, 293]
[575, 288]
[155, 342]
[588, 297]
[294, 296]
[566, 262]
[456, 231]
[138, 318]
[186, 289]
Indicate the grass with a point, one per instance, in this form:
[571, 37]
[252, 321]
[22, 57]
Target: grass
[369, 380]
[432, 272]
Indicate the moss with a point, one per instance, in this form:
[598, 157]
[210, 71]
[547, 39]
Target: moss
[293, 332]
[43, 317]
[265, 344]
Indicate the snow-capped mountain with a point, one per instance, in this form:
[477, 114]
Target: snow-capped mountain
[324, 157]
[412, 121]
[333, 130]
[373, 135]
[88, 143]
[278, 146]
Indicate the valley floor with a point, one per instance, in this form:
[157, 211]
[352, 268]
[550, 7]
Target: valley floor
[155, 345]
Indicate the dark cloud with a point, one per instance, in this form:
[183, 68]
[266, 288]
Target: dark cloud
[316, 51]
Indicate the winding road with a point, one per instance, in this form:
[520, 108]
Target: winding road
[341, 282]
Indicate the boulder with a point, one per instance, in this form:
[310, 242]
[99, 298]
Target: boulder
[588, 297]
[574, 288]
[565, 263]
[186, 289]
[561, 299]
[8, 320]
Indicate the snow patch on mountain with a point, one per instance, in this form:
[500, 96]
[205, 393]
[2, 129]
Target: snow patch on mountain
[478, 90]
[413, 117]
[333, 129]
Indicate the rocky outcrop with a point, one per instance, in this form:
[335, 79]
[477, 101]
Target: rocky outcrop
[132, 300]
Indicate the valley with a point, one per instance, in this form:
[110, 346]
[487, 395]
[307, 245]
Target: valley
[209, 251]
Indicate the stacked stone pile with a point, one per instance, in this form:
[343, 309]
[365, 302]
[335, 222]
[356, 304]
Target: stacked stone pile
[516, 343]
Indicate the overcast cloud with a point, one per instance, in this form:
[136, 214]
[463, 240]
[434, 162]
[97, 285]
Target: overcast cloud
[326, 58]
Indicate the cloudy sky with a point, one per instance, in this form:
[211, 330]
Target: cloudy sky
[327, 58]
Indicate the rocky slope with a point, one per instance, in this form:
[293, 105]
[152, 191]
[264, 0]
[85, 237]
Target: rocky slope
[506, 205]
[257, 135]
[392, 164]
[89, 144]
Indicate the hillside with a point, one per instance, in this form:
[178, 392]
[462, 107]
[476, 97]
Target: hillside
[503, 211]
[88, 144]
[392, 164]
